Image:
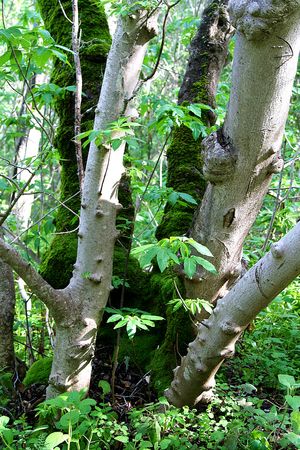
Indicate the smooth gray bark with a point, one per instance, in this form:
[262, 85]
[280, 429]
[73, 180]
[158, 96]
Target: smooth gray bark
[241, 157]
[216, 338]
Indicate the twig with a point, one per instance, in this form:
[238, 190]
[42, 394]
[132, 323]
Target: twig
[64, 12]
[43, 217]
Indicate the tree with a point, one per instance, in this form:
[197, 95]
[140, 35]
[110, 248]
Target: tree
[87, 293]
[225, 167]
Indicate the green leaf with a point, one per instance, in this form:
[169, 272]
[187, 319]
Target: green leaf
[189, 265]
[286, 380]
[294, 439]
[187, 197]
[131, 329]
[173, 197]
[196, 128]
[151, 317]
[123, 439]
[55, 439]
[195, 109]
[70, 417]
[293, 401]
[148, 256]
[5, 57]
[207, 306]
[206, 264]
[86, 404]
[116, 143]
[163, 258]
[114, 318]
[200, 248]
[8, 435]
[105, 386]
[295, 420]
[3, 421]
[121, 324]
[141, 249]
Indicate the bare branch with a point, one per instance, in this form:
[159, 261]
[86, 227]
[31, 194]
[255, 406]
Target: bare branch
[33, 279]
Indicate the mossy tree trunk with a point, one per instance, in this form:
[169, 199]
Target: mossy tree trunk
[78, 308]
[208, 54]
[59, 259]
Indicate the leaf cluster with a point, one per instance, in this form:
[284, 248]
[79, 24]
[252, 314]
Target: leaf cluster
[132, 319]
[175, 250]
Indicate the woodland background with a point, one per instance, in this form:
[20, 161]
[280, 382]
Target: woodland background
[256, 404]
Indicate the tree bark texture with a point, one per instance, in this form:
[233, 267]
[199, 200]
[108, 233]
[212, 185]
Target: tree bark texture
[208, 54]
[240, 158]
[239, 161]
[58, 261]
[217, 337]
[91, 282]
[7, 310]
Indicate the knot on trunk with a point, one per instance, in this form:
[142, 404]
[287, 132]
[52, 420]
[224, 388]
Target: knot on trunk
[256, 19]
[276, 165]
[219, 158]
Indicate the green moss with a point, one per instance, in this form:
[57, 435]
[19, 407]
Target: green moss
[57, 265]
[199, 88]
[135, 277]
[39, 372]
[184, 175]
[174, 333]
[60, 257]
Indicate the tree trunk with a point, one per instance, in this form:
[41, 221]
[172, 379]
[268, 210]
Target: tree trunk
[208, 54]
[241, 157]
[7, 305]
[239, 161]
[216, 339]
[58, 261]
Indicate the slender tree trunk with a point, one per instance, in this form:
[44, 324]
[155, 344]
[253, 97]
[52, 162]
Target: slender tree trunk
[58, 260]
[216, 340]
[239, 161]
[7, 305]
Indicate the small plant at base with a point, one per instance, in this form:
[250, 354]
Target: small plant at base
[293, 402]
[192, 305]
[132, 319]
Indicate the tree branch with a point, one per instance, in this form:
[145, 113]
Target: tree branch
[33, 279]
